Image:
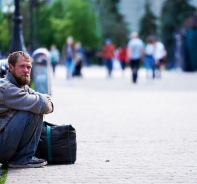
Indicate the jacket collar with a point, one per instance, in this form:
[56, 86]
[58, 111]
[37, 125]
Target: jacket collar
[11, 78]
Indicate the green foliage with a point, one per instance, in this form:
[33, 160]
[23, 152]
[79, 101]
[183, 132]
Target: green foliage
[148, 25]
[54, 22]
[6, 26]
[4, 174]
[81, 22]
[46, 31]
[45, 35]
[68, 18]
[4, 36]
[172, 17]
[25, 12]
[110, 21]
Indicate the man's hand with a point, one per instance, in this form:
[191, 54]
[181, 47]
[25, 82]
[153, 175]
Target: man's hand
[50, 104]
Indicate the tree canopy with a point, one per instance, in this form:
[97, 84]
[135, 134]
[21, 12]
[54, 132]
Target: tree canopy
[68, 18]
[172, 16]
[4, 34]
[148, 25]
[110, 22]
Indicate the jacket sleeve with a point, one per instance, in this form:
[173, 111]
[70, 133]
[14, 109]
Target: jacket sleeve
[20, 99]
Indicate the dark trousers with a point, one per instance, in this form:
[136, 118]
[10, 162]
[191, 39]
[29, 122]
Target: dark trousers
[77, 70]
[122, 64]
[53, 67]
[109, 65]
[134, 64]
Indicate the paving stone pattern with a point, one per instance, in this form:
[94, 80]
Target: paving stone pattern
[126, 133]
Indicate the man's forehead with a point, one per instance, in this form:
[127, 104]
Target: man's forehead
[23, 59]
[21, 56]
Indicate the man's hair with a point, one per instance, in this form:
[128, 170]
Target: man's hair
[12, 58]
[134, 34]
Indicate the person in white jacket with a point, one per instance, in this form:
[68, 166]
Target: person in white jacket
[159, 54]
[135, 49]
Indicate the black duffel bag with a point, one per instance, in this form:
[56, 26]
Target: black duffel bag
[57, 144]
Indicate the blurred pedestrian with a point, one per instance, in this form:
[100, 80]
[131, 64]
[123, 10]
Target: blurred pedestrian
[79, 57]
[55, 57]
[68, 54]
[149, 61]
[108, 55]
[99, 57]
[135, 52]
[88, 56]
[122, 57]
[159, 55]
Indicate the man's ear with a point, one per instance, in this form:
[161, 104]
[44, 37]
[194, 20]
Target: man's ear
[11, 67]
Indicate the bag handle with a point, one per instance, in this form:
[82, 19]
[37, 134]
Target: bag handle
[49, 144]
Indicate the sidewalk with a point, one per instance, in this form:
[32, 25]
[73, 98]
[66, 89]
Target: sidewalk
[126, 133]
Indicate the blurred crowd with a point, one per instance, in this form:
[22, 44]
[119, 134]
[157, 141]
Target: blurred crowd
[149, 54]
[135, 54]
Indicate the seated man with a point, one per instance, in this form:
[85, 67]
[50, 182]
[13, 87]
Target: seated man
[21, 114]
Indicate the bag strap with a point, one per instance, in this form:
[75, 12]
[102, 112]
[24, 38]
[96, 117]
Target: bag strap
[70, 151]
[49, 144]
[49, 149]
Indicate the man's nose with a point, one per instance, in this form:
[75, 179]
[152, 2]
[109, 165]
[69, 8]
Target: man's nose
[26, 69]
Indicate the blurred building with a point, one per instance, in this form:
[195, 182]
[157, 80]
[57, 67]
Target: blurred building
[133, 10]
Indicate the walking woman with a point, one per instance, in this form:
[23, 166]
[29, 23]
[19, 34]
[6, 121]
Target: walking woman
[68, 55]
[149, 61]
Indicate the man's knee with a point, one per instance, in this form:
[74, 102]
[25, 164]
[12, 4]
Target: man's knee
[28, 114]
[26, 117]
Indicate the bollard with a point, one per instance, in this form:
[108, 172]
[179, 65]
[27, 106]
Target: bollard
[41, 71]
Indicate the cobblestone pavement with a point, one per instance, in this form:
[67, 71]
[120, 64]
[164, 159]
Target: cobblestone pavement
[126, 133]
